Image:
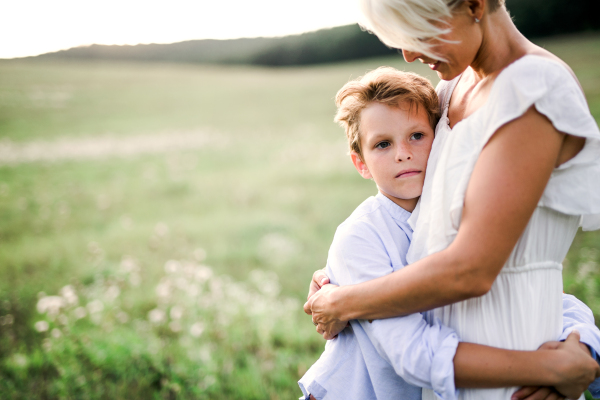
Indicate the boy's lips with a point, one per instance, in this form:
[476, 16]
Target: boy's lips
[407, 173]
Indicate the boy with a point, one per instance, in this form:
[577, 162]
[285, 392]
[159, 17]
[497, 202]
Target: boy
[389, 117]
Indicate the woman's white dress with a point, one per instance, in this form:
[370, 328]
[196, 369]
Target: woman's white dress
[524, 307]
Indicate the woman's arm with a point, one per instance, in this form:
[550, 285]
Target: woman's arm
[508, 180]
[569, 367]
[431, 356]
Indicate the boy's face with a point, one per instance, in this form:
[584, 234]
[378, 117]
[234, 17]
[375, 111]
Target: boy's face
[395, 144]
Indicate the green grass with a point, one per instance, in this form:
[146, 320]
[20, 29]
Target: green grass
[265, 192]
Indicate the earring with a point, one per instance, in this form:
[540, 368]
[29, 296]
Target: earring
[477, 20]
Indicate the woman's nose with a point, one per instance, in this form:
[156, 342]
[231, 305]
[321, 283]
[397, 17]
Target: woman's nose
[410, 56]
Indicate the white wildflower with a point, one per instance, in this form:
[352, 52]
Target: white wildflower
[79, 312]
[193, 290]
[156, 316]
[172, 266]
[189, 269]
[181, 283]
[113, 292]
[50, 305]
[94, 248]
[62, 319]
[42, 326]
[56, 333]
[161, 229]
[196, 329]
[135, 279]
[163, 289]
[126, 222]
[95, 306]
[20, 360]
[103, 202]
[586, 269]
[205, 354]
[209, 380]
[68, 293]
[122, 317]
[277, 248]
[8, 319]
[203, 273]
[176, 312]
[128, 264]
[200, 254]
[267, 282]
[175, 326]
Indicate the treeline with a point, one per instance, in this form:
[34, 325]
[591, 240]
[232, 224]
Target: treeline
[535, 18]
[323, 46]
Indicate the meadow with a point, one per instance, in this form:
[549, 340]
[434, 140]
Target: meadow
[159, 223]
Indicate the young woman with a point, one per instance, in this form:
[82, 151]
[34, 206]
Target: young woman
[513, 173]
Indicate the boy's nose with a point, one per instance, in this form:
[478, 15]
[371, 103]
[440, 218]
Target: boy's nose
[403, 154]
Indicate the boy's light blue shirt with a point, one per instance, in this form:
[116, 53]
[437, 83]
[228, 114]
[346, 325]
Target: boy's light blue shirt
[394, 358]
[370, 360]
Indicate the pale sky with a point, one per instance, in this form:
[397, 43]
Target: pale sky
[30, 27]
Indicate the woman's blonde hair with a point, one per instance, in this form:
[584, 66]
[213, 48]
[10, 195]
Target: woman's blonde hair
[384, 85]
[407, 24]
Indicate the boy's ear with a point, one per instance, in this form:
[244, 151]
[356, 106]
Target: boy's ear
[360, 165]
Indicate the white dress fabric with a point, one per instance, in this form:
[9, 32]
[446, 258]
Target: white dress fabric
[523, 309]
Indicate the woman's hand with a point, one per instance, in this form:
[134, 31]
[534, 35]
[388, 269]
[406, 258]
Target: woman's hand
[545, 393]
[577, 369]
[537, 393]
[321, 305]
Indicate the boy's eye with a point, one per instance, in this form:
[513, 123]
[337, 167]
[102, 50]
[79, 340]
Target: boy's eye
[382, 145]
[417, 136]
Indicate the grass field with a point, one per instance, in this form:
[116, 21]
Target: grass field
[159, 224]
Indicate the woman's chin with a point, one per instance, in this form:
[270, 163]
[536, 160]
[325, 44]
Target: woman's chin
[447, 75]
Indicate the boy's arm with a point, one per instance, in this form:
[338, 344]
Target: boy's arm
[423, 354]
[577, 315]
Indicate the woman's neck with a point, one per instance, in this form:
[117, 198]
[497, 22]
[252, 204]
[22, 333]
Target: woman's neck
[502, 44]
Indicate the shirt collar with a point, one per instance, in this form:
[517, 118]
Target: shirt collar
[398, 213]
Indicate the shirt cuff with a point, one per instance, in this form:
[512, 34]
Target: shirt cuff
[442, 369]
[309, 387]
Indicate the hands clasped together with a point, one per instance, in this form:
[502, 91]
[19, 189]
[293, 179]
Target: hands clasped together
[576, 371]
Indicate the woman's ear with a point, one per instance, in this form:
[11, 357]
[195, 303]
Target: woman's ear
[360, 165]
[476, 9]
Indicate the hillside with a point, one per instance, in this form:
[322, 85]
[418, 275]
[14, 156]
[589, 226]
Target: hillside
[535, 19]
[323, 46]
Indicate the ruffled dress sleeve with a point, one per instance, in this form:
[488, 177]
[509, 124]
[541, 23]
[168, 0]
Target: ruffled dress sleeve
[574, 187]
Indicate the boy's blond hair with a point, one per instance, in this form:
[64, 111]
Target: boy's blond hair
[384, 85]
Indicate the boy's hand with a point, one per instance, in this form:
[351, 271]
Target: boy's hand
[318, 280]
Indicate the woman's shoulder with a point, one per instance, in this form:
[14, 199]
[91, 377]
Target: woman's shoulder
[548, 84]
[540, 65]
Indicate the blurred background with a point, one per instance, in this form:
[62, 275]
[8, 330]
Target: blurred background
[163, 206]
